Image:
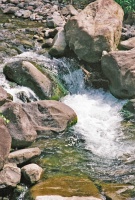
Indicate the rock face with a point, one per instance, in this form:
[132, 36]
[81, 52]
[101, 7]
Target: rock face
[5, 143]
[10, 175]
[119, 68]
[50, 116]
[32, 172]
[20, 128]
[96, 28]
[26, 74]
[23, 155]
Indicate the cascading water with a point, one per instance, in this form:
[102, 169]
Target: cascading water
[99, 119]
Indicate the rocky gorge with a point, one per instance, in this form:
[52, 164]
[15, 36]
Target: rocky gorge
[104, 50]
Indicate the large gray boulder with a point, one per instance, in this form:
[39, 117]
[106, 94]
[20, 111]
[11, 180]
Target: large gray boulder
[96, 28]
[19, 126]
[27, 74]
[42, 117]
[48, 116]
[5, 143]
[119, 68]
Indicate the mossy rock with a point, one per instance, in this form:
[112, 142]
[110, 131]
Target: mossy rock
[116, 191]
[65, 186]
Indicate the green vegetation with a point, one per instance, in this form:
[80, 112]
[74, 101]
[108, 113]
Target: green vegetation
[127, 5]
[5, 119]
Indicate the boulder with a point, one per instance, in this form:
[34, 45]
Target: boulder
[55, 20]
[95, 29]
[59, 44]
[23, 155]
[5, 143]
[119, 68]
[10, 175]
[128, 44]
[4, 96]
[43, 84]
[50, 116]
[20, 128]
[32, 172]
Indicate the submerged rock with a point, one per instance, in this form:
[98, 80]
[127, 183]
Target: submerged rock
[66, 186]
[119, 68]
[95, 29]
[56, 197]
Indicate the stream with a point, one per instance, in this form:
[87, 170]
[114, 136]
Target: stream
[97, 146]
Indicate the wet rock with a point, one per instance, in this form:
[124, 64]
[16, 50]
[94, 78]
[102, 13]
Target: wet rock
[50, 116]
[44, 85]
[4, 96]
[23, 155]
[66, 186]
[119, 68]
[56, 197]
[99, 26]
[10, 176]
[20, 128]
[59, 45]
[128, 44]
[5, 142]
[116, 191]
[32, 173]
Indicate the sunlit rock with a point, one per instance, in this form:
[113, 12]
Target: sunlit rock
[10, 175]
[95, 29]
[119, 69]
[32, 172]
[23, 155]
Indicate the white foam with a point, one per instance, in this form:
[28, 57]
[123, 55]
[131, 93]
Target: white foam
[99, 122]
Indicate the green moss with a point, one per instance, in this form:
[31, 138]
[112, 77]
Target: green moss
[58, 89]
[65, 186]
[117, 191]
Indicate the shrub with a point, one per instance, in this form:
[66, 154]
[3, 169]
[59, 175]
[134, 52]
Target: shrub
[127, 5]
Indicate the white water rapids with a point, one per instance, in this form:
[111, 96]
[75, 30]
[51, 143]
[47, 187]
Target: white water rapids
[99, 120]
